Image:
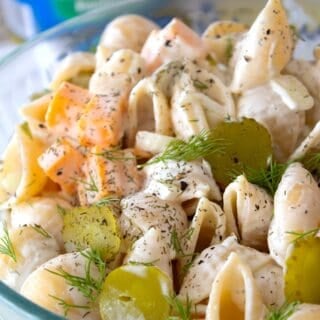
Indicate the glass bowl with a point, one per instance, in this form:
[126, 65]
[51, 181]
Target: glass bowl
[29, 69]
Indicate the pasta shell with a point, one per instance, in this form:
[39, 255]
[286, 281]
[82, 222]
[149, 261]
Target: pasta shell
[265, 50]
[180, 181]
[21, 177]
[40, 211]
[203, 271]
[32, 249]
[251, 209]
[42, 286]
[306, 312]
[71, 66]
[234, 293]
[296, 209]
[148, 110]
[127, 32]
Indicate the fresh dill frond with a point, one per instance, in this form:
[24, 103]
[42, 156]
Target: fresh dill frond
[198, 146]
[266, 178]
[146, 264]
[311, 161]
[181, 309]
[6, 246]
[211, 60]
[229, 49]
[40, 230]
[108, 201]
[87, 285]
[302, 235]
[26, 129]
[176, 242]
[67, 306]
[115, 154]
[62, 211]
[284, 312]
[296, 32]
[200, 85]
[90, 186]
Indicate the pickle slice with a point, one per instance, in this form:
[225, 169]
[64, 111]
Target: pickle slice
[301, 273]
[135, 292]
[92, 227]
[247, 145]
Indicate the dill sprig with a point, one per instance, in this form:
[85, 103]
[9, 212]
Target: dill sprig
[62, 211]
[176, 242]
[284, 312]
[311, 162]
[89, 185]
[26, 129]
[211, 60]
[146, 264]
[108, 201]
[198, 146]
[115, 154]
[302, 235]
[6, 246]
[67, 306]
[40, 230]
[266, 178]
[229, 49]
[200, 85]
[183, 310]
[87, 285]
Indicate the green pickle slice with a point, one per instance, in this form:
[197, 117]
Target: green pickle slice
[135, 292]
[247, 145]
[92, 227]
[301, 272]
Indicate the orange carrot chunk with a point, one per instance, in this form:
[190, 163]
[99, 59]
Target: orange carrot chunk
[65, 109]
[102, 123]
[62, 164]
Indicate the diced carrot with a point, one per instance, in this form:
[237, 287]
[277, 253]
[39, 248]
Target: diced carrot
[62, 163]
[175, 41]
[108, 173]
[102, 123]
[65, 109]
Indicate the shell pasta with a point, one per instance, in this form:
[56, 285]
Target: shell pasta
[170, 175]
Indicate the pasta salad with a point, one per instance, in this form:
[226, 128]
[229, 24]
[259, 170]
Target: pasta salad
[170, 175]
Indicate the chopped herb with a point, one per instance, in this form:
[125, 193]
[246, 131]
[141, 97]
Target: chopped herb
[268, 178]
[67, 306]
[229, 49]
[62, 211]
[39, 94]
[40, 230]
[146, 264]
[108, 201]
[198, 146]
[26, 129]
[89, 185]
[176, 242]
[311, 162]
[211, 60]
[296, 32]
[114, 155]
[181, 309]
[284, 312]
[302, 235]
[87, 285]
[200, 85]
[6, 246]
